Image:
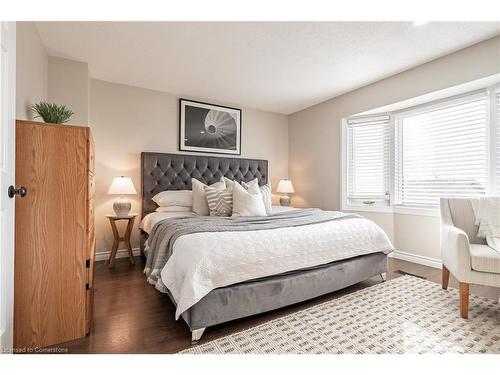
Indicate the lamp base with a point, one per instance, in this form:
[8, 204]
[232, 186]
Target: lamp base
[285, 200]
[122, 207]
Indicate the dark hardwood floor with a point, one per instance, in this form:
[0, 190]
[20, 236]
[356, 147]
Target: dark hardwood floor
[131, 316]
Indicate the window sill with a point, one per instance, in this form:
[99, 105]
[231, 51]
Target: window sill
[380, 209]
[399, 210]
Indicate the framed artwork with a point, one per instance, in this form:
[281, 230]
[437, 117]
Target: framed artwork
[210, 128]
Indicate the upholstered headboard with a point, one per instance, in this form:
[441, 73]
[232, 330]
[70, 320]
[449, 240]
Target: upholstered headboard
[160, 172]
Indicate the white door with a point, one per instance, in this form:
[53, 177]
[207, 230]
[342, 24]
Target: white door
[7, 158]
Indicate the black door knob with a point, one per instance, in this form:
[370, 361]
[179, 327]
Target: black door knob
[13, 191]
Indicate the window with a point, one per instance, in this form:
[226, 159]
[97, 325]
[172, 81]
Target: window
[368, 159]
[442, 151]
[410, 158]
[496, 131]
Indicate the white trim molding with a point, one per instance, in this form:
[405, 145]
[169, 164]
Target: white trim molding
[418, 259]
[121, 253]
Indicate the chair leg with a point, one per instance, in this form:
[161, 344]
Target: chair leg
[464, 300]
[445, 277]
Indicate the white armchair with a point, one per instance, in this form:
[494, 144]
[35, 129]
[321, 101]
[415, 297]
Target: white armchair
[463, 254]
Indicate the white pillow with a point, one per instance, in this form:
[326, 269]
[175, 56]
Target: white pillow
[247, 203]
[228, 182]
[174, 209]
[265, 190]
[200, 205]
[252, 186]
[182, 198]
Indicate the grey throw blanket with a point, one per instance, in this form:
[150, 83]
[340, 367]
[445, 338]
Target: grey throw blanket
[166, 232]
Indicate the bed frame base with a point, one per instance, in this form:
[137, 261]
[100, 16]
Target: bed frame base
[254, 297]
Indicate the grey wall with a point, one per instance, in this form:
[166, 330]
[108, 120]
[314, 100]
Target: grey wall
[127, 120]
[315, 137]
[40, 77]
[31, 69]
[69, 85]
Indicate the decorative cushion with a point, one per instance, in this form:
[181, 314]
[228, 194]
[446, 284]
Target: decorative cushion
[200, 204]
[252, 186]
[228, 181]
[462, 214]
[484, 259]
[267, 197]
[174, 198]
[246, 202]
[265, 190]
[220, 202]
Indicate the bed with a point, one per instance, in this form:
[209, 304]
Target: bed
[268, 291]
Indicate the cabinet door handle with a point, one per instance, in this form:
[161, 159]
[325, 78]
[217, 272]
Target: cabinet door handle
[22, 191]
[368, 202]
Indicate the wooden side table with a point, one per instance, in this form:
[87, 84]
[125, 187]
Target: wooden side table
[117, 239]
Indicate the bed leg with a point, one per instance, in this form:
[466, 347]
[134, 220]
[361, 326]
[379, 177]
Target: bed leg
[196, 335]
[383, 276]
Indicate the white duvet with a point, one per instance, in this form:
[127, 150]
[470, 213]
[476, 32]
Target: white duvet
[202, 262]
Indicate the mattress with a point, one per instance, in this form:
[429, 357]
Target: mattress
[149, 221]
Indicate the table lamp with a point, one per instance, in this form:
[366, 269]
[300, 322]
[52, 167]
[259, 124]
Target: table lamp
[122, 186]
[285, 186]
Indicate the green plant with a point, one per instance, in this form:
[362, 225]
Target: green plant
[52, 113]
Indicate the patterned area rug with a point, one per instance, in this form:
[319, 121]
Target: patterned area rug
[403, 315]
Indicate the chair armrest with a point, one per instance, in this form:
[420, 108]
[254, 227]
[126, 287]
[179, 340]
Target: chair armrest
[455, 251]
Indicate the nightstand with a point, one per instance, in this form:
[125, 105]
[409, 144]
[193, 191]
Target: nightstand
[117, 239]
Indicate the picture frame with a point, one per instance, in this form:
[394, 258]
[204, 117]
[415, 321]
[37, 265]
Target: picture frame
[209, 128]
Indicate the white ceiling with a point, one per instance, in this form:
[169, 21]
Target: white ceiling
[278, 66]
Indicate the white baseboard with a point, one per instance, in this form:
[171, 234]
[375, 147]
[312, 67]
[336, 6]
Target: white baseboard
[414, 258]
[121, 253]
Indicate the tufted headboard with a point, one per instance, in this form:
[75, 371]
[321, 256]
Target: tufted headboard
[160, 172]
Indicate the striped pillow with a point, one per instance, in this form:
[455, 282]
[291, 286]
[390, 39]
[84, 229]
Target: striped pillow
[267, 197]
[220, 202]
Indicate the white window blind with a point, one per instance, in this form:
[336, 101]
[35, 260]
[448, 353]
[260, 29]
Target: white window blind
[442, 151]
[497, 142]
[368, 159]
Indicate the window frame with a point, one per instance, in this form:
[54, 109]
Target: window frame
[492, 125]
[494, 132]
[379, 206]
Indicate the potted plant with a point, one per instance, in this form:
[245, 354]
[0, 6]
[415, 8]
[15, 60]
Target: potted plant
[52, 113]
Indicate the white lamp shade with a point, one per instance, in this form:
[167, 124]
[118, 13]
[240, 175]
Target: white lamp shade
[121, 186]
[285, 186]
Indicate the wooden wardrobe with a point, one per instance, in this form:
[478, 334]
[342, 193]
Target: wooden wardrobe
[54, 234]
